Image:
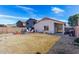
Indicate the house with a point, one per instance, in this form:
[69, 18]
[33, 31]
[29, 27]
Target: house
[49, 25]
[30, 23]
[21, 24]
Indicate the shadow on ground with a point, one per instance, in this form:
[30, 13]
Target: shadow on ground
[64, 46]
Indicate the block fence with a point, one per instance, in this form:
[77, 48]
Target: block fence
[77, 31]
[10, 29]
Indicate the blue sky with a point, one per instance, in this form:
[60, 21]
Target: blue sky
[10, 14]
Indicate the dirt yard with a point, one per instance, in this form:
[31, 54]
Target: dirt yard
[27, 43]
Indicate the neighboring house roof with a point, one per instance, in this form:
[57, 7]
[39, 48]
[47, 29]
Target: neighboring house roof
[21, 23]
[46, 18]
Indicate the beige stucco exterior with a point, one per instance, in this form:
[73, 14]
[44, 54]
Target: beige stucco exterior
[39, 27]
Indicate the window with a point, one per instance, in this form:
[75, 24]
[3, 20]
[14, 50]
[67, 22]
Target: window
[46, 28]
[59, 28]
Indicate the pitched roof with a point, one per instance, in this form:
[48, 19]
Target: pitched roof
[46, 18]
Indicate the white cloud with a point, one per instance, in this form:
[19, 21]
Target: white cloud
[29, 11]
[14, 17]
[26, 8]
[57, 10]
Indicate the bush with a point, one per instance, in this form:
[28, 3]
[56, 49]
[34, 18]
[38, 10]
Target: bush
[76, 40]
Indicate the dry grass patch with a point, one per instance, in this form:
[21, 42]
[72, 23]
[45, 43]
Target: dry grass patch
[27, 43]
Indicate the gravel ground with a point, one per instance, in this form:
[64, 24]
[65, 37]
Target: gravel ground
[64, 46]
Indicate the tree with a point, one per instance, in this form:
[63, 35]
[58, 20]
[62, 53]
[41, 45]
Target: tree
[73, 20]
[30, 22]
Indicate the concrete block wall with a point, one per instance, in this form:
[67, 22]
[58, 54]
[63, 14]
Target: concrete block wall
[77, 31]
[10, 29]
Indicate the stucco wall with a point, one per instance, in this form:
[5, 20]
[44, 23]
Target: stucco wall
[63, 28]
[39, 27]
